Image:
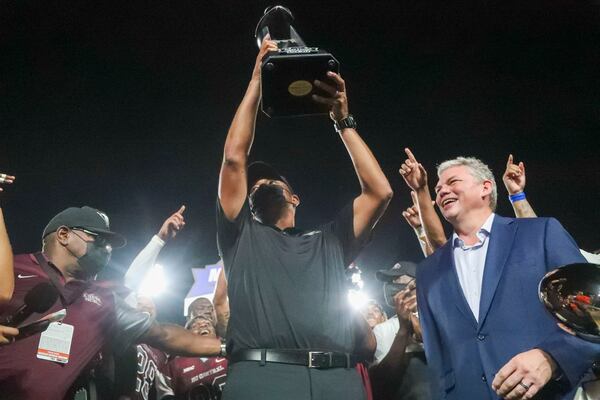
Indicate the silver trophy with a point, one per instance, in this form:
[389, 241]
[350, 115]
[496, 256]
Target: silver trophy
[572, 295]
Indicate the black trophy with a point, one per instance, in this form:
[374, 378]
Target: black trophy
[287, 75]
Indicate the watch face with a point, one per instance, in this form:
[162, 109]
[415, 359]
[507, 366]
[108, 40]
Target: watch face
[348, 122]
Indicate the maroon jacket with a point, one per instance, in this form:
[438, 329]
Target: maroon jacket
[96, 315]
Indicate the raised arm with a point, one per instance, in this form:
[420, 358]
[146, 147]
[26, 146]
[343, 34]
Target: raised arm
[386, 376]
[175, 340]
[412, 215]
[514, 181]
[7, 278]
[232, 178]
[221, 303]
[415, 177]
[147, 257]
[376, 192]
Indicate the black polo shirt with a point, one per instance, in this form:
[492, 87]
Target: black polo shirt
[287, 289]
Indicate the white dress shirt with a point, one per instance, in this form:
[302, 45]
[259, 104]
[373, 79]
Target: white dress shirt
[470, 263]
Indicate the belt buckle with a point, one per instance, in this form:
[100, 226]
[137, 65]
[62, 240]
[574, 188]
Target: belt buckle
[319, 359]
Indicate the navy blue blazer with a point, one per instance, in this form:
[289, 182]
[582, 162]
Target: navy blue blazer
[466, 354]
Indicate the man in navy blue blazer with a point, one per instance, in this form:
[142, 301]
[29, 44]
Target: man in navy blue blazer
[486, 333]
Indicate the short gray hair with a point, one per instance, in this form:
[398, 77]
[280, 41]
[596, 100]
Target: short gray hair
[479, 170]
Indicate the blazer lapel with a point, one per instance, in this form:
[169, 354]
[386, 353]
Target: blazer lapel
[454, 284]
[501, 240]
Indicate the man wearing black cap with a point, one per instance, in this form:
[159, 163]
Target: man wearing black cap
[400, 370]
[291, 334]
[77, 244]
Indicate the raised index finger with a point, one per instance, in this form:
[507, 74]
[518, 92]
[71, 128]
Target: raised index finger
[181, 210]
[410, 155]
[510, 160]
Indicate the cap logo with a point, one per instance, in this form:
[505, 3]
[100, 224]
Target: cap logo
[104, 218]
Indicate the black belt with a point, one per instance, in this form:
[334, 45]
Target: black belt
[310, 359]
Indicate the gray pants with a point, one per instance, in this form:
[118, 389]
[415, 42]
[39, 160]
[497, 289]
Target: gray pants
[249, 380]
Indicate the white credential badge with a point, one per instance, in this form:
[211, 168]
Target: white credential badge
[55, 343]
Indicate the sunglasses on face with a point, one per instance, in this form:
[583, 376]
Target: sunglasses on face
[99, 240]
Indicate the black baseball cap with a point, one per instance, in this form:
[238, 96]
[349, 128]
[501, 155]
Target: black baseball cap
[261, 170]
[87, 218]
[408, 268]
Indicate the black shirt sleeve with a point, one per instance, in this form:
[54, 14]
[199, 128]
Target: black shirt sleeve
[343, 228]
[131, 324]
[229, 231]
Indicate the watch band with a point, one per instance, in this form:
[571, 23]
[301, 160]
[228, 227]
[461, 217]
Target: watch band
[348, 122]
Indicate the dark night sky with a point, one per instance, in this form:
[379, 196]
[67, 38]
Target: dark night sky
[125, 106]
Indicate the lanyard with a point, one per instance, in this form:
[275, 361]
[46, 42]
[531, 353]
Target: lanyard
[67, 296]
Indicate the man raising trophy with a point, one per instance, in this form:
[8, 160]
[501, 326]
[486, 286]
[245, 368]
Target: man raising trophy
[292, 334]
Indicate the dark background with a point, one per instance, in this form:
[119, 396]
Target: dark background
[125, 105]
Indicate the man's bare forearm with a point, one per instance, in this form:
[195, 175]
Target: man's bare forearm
[175, 340]
[523, 209]
[372, 179]
[232, 179]
[241, 132]
[365, 340]
[7, 278]
[423, 241]
[386, 375]
[432, 225]
[221, 302]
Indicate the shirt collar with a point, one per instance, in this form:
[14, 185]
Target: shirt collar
[482, 234]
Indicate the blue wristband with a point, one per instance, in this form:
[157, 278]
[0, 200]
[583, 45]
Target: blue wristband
[516, 197]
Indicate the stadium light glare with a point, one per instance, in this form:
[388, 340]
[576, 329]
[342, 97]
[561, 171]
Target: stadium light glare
[154, 282]
[357, 298]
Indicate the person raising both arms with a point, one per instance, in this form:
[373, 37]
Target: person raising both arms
[291, 333]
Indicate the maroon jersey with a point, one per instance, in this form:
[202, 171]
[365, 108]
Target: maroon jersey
[151, 363]
[91, 310]
[195, 378]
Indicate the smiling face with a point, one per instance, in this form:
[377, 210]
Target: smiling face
[458, 192]
[202, 327]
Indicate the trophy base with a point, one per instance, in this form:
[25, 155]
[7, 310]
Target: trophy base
[287, 78]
